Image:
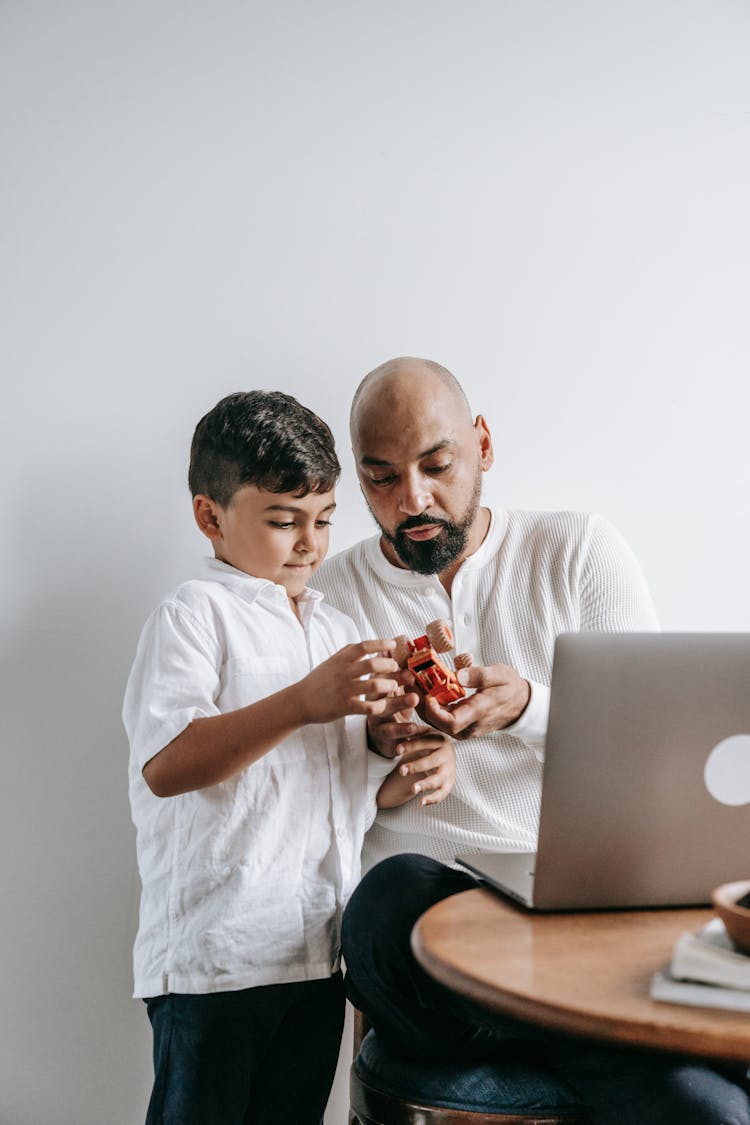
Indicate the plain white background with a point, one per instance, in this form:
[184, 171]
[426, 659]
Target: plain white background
[548, 196]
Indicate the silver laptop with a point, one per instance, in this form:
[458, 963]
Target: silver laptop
[646, 779]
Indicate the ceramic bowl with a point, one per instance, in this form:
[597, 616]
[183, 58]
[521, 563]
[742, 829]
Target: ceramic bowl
[735, 918]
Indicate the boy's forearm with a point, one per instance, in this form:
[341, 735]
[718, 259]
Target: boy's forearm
[213, 749]
[395, 791]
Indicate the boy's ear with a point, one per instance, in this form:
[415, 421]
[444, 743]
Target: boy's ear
[205, 511]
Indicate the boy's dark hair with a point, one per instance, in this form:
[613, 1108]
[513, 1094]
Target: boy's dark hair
[264, 438]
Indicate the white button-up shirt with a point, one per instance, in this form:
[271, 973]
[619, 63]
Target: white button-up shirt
[244, 882]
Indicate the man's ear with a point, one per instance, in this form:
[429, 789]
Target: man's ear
[206, 512]
[484, 443]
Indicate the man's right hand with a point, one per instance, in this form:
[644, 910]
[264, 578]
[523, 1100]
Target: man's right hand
[388, 733]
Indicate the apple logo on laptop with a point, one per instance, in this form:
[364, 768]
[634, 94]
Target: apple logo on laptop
[727, 770]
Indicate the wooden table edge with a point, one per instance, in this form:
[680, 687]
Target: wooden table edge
[708, 1041]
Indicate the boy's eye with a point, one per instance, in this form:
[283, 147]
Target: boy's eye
[290, 524]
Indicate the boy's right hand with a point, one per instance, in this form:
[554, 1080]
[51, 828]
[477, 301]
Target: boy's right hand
[336, 687]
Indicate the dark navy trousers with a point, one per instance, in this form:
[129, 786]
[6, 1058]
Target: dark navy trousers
[419, 1018]
[258, 1056]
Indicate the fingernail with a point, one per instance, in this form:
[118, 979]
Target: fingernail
[403, 770]
[417, 788]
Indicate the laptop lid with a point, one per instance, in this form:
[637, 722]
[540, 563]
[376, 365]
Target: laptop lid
[646, 782]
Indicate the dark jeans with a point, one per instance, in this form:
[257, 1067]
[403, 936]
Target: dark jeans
[420, 1019]
[259, 1056]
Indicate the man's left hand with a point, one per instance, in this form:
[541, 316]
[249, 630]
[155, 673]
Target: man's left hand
[500, 698]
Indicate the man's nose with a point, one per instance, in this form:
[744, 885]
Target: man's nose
[415, 495]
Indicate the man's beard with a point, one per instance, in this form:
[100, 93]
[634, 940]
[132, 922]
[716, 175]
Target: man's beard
[433, 556]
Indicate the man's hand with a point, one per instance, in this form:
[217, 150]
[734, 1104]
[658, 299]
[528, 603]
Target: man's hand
[390, 729]
[501, 697]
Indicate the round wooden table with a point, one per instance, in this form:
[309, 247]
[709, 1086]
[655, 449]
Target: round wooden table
[585, 973]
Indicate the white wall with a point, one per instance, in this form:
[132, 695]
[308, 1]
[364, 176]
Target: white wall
[550, 198]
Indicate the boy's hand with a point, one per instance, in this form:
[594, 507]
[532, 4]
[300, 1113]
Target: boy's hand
[337, 687]
[427, 770]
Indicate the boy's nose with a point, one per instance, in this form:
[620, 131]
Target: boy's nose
[305, 544]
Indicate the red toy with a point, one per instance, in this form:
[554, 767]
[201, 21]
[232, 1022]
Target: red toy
[434, 680]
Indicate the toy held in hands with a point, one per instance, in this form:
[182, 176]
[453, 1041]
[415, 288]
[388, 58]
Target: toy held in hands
[433, 679]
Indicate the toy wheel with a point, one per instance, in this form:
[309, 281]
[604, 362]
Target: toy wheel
[402, 650]
[439, 635]
[463, 660]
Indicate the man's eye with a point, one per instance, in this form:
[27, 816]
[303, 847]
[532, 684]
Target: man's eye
[436, 470]
[379, 481]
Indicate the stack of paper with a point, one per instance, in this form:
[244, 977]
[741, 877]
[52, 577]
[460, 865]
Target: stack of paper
[706, 969]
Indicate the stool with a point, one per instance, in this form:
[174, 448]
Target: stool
[386, 1089]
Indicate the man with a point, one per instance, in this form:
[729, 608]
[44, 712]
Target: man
[509, 583]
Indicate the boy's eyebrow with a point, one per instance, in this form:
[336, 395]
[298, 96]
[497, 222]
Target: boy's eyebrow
[294, 508]
[446, 443]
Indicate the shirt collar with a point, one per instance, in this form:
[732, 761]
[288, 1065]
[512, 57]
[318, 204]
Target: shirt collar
[250, 588]
[400, 577]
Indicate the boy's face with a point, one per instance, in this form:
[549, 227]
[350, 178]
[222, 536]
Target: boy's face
[280, 536]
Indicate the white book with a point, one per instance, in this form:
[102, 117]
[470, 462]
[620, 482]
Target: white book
[664, 987]
[709, 956]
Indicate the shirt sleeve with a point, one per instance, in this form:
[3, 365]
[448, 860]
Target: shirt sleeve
[175, 679]
[531, 727]
[378, 769]
[614, 596]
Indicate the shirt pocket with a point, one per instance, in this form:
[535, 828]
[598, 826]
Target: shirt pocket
[245, 680]
[262, 926]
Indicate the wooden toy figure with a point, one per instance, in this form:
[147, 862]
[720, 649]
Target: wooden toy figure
[433, 679]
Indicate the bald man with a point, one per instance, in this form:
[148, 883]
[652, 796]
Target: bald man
[509, 582]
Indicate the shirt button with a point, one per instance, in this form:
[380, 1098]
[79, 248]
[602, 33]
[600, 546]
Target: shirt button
[467, 619]
[341, 833]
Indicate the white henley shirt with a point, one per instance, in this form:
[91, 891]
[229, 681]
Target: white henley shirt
[537, 574]
[244, 882]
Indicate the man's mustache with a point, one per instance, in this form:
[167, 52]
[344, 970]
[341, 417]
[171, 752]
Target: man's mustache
[420, 521]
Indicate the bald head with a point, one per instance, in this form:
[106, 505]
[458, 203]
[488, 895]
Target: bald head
[403, 381]
[420, 459]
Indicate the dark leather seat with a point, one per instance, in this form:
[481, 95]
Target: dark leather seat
[387, 1089]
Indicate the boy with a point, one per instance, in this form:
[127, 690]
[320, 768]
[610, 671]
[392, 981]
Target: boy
[246, 710]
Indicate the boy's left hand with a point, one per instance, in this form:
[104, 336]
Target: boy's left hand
[427, 769]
